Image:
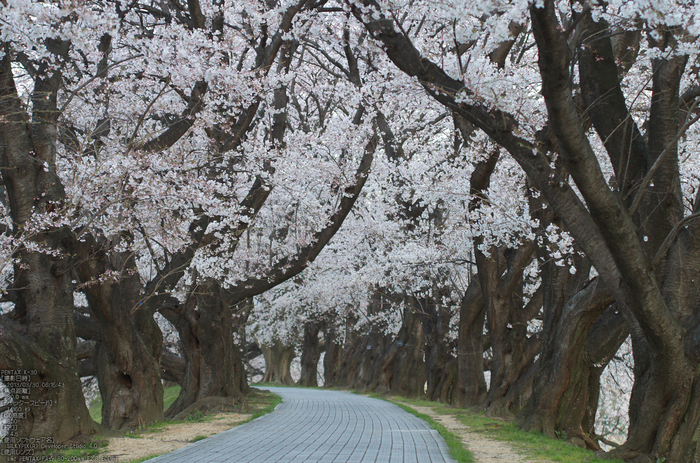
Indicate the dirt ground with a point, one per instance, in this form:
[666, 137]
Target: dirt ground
[485, 450]
[174, 436]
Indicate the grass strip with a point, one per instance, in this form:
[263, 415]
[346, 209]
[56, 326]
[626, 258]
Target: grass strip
[146, 458]
[533, 444]
[274, 401]
[530, 444]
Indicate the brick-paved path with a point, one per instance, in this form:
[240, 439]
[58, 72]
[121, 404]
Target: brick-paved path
[322, 426]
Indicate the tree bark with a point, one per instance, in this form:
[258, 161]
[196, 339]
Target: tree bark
[310, 354]
[439, 361]
[513, 351]
[213, 363]
[333, 357]
[38, 336]
[470, 358]
[127, 356]
[410, 371]
[172, 367]
[278, 360]
[560, 392]
[373, 349]
[351, 353]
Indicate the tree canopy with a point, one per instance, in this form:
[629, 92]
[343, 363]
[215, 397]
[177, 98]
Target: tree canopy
[440, 189]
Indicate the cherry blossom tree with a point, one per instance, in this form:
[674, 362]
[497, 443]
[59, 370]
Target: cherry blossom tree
[633, 229]
[516, 183]
[143, 166]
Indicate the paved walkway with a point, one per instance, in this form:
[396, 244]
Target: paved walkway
[322, 426]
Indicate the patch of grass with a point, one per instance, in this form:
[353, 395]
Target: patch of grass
[169, 396]
[530, 444]
[96, 409]
[261, 403]
[147, 457]
[195, 417]
[198, 438]
[153, 427]
[457, 450]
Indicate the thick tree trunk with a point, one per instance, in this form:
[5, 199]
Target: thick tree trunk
[39, 343]
[127, 356]
[513, 352]
[310, 354]
[447, 389]
[214, 372]
[664, 410]
[373, 349]
[472, 312]
[376, 360]
[383, 371]
[278, 360]
[38, 336]
[351, 354]
[410, 378]
[439, 362]
[665, 399]
[561, 394]
[54, 405]
[557, 286]
[470, 357]
[664, 407]
[131, 391]
[333, 357]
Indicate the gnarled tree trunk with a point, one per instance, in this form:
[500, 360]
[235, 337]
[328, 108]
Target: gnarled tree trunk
[470, 357]
[214, 372]
[310, 354]
[373, 348]
[127, 356]
[562, 393]
[472, 311]
[278, 361]
[557, 288]
[38, 336]
[333, 357]
[440, 364]
[410, 373]
[513, 351]
[350, 355]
